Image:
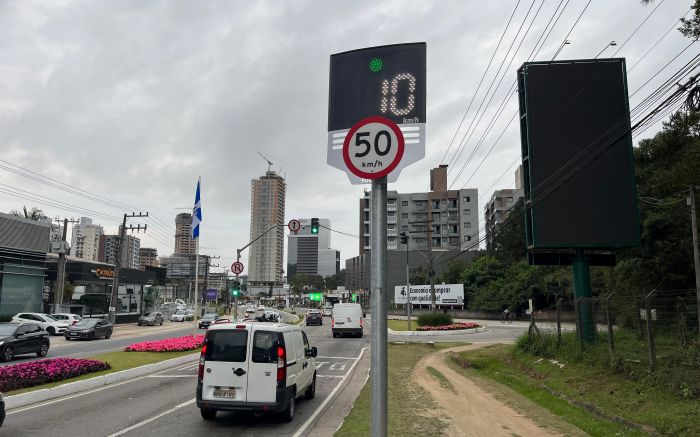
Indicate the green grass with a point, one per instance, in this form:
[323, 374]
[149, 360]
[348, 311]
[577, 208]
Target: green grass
[401, 325]
[118, 360]
[444, 382]
[411, 410]
[590, 378]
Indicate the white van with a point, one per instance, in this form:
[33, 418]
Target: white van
[347, 318]
[251, 366]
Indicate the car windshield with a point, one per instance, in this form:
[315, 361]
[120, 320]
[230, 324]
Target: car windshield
[48, 318]
[178, 312]
[6, 330]
[151, 314]
[209, 316]
[87, 322]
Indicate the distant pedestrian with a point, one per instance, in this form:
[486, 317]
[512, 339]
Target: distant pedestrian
[506, 314]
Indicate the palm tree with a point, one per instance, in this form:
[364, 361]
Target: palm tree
[32, 214]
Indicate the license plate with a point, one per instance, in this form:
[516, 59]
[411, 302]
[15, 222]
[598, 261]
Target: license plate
[229, 393]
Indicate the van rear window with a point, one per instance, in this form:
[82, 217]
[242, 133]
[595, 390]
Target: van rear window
[265, 347]
[227, 345]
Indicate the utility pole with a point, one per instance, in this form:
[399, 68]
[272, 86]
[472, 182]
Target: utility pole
[409, 304]
[61, 267]
[117, 264]
[696, 250]
[431, 271]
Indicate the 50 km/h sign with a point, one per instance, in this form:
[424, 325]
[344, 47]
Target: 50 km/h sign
[237, 268]
[373, 147]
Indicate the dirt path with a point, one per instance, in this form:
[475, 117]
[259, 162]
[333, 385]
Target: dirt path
[471, 410]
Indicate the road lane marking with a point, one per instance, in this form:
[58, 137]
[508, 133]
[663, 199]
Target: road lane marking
[331, 376]
[325, 402]
[151, 419]
[83, 393]
[171, 376]
[338, 358]
[337, 366]
[320, 363]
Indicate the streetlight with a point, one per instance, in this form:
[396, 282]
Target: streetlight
[610, 44]
[566, 42]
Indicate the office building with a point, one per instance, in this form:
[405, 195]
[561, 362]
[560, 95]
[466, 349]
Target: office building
[311, 254]
[85, 240]
[439, 219]
[184, 244]
[499, 206]
[109, 249]
[266, 256]
[148, 256]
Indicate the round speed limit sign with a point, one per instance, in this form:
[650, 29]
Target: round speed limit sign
[373, 147]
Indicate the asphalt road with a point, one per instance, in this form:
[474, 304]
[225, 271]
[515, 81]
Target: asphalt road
[164, 403]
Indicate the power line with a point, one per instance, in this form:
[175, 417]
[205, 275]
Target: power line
[637, 28]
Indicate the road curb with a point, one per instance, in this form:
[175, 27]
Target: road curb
[432, 333]
[70, 388]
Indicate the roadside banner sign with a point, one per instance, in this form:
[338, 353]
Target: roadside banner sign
[211, 294]
[237, 268]
[445, 294]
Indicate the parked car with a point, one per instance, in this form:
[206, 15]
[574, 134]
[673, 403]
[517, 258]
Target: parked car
[189, 315]
[152, 318]
[90, 329]
[22, 338]
[47, 323]
[328, 311]
[261, 307]
[71, 319]
[347, 319]
[178, 316]
[207, 320]
[314, 317]
[2, 410]
[249, 313]
[273, 365]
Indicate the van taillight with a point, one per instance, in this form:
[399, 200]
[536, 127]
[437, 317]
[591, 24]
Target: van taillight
[332, 322]
[281, 364]
[200, 372]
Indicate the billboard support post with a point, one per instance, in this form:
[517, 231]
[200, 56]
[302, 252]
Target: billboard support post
[378, 360]
[582, 289]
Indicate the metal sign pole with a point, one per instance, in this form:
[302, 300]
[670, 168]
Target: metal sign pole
[378, 362]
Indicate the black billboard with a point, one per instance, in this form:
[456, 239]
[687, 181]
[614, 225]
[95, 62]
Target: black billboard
[578, 163]
[388, 81]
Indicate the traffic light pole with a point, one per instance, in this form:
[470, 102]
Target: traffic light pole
[378, 347]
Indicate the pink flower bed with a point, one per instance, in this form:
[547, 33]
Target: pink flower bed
[177, 344]
[34, 373]
[452, 327]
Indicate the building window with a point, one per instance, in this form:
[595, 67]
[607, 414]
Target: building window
[467, 212]
[391, 214]
[467, 238]
[453, 203]
[391, 239]
[453, 215]
[454, 229]
[436, 216]
[509, 200]
[391, 202]
[404, 215]
[444, 216]
[391, 226]
[436, 204]
[466, 199]
[467, 225]
[404, 203]
[404, 228]
[454, 241]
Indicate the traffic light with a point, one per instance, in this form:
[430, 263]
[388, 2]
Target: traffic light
[235, 288]
[404, 237]
[314, 225]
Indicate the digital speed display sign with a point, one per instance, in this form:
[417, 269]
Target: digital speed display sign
[386, 82]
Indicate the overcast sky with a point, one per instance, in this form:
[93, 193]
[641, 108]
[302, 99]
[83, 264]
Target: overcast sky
[133, 100]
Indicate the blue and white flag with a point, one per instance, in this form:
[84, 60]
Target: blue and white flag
[196, 212]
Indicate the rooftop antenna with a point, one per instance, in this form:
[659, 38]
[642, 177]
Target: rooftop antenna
[269, 163]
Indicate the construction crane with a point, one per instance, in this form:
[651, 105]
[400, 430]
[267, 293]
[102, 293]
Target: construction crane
[269, 163]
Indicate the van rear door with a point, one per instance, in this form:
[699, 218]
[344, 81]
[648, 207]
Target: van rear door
[262, 377]
[226, 366]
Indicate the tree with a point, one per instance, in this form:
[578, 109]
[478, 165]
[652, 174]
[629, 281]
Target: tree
[691, 26]
[509, 239]
[32, 214]
[418, 276]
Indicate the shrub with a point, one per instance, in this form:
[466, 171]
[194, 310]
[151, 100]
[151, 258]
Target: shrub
[23, 375]
[5, 318]
[450, 327]
[434, 319]
[176, 344]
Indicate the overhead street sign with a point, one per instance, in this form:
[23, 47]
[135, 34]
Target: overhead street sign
[386, 81]
[373, 147]
[237, 268]
[294, 225]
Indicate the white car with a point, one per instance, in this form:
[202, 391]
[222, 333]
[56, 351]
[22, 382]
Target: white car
[72, 319]
[259, 367]
[178, 316]
[328, 311]
[261, 307]
[47, 323]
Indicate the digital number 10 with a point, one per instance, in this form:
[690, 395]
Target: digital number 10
[389, 102]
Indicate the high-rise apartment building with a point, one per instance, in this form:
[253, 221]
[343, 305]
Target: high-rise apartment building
[184, 244]
[85, 240]
[499, 206]
[265, 260]
[109, 248]
[148, 256]
[440, 219]
[311, 254]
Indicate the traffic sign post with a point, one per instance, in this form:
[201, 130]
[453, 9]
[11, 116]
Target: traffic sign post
[376, 127]
[237, 268]
[294, 225]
